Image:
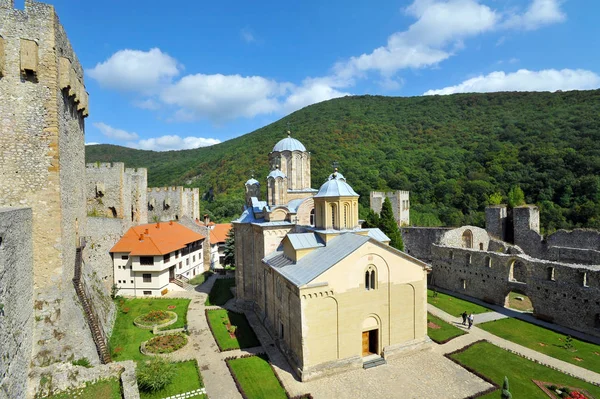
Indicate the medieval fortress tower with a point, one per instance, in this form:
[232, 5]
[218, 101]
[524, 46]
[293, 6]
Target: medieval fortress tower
[58, 217]
[400, 204]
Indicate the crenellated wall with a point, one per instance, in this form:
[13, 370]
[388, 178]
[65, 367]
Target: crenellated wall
[400, 204]
[172, 203]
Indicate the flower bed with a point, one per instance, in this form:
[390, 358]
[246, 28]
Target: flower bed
[156, 318]
[562, 391]
[164, 344]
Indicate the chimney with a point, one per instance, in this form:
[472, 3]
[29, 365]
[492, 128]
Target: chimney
[158, 225]
[146, 232]
[170, 223]
[206, 219]
[141, 237]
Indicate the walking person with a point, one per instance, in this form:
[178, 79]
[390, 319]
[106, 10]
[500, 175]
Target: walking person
[464, 316]
[470, 318]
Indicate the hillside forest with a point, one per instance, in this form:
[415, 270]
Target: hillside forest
[455, 154]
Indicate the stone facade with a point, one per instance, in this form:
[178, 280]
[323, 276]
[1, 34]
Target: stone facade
[42, 158]
[400, 204]
[173, 203]
[16, 300]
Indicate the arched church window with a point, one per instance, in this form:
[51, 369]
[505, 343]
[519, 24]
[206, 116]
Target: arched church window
[346, 215]
[312, 217]
[333, 216]
[370, 278]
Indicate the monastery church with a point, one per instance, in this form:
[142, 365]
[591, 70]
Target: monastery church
[335, 296]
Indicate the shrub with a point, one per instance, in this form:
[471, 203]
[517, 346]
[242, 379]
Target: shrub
[84, 361]
[153, 375]
[505, 389]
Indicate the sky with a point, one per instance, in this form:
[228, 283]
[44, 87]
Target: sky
[164, 76]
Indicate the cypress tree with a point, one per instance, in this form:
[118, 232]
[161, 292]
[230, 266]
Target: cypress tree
[387, 224]
[229, 249]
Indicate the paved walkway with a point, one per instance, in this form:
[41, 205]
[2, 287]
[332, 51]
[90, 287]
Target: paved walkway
[476, 334]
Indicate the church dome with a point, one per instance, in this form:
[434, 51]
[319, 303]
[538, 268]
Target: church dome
[289, 144]
[276, 173]
[336, 186]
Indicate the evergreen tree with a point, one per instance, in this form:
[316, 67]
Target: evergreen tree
[229, 250]
[505, 389]
[387, 224]
[371, 220]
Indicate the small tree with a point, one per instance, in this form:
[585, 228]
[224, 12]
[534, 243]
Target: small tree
[153, 375]
[516, 197]
[495, 199]
[568, 343]
[388, 224]
[505, 389]
[114, 290]
[371, 220]
[229, 250]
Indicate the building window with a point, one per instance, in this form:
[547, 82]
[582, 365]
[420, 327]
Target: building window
[370, 278]
[550, 272]
[451, 255]
[333, 216]
[124, 257]
[147, 278]
[488, 261]
[194, 258]
[187, 262]
[585, 282]
[468, 259]
[312, 217]
[147, 292]
[346, 215]
[131, 281]
[180, 265]
[166, 258]
[481, 246]
[464, 284]
[147, 260]
[281, 330]
[177, 254]
[467, 239]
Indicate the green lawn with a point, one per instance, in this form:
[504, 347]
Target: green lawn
[257, 378]
[495, 363]
[220, 292]
[105, 389]
[126, 337]
[244, 335]
[443, 334]
[453, 305]
[187, 378]
[200, 278]
[545, 341]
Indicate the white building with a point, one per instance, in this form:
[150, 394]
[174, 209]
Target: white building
[218, 236]
[150, 256]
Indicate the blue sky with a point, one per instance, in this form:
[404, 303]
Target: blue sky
[178, 75]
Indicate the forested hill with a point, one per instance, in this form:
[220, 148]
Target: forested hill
[451, 152]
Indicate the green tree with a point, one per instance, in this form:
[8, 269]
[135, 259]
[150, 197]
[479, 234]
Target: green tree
[387, 224]
[229, 250]
[516, 197]
[371, 220]
[505, 389]
[495, 199]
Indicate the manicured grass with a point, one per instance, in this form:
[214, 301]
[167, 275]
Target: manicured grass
[126, 337]
[105, 389]
[495, 363]
[546, 341]
[257, 378]
[220, 292]
[453, 305]
[525, 305]
[244, 335]
[187, 378]
[200, 278]
[443, 334]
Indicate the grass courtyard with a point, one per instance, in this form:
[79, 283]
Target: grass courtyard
[249, 370]
[495, 363]
[453, 305]
[200, 278]
[441, 331]
[540, 339]
[105, 389]
[242, 337]
[187, 378]
[126, 337]
[220, 292]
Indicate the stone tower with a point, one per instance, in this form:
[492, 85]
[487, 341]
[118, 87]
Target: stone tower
[400, 204]
[42, 157]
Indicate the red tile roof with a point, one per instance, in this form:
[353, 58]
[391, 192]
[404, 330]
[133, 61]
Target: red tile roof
[219, 233]
[156, 239]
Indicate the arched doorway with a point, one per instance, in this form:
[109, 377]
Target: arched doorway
[467, 239]
[518, 300]
[370, 336]
[517, 272]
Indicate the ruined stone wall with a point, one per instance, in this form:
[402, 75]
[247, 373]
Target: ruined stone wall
[400, 204]
[42, 158]
[565, 294]
[459, 237]
[418, 240]
[173, 203]
[16, 300]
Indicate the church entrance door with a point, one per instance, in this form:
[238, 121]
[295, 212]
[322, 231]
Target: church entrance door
[370, 342]
[365, 343]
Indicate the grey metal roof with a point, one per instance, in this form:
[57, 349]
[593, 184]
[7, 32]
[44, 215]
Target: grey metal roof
[378, 235]
[336, 175]
[336, 188]
[276, 173]
[289, 144]
[294, 204]
[258, 206]
[305, 241]
[252, 181]
[316, 262]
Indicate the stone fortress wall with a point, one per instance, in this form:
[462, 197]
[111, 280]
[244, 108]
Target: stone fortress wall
[42, 158]
[400, 204]
[559, 273]
[173, 203]
[16, 300]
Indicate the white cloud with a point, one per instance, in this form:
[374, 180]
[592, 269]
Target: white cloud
[148, 103]
[92, 143]
[247, 35]
[118, 134]
[172, 142]
[310, 92]
[538, 14]
[135, 70]
[525, 80]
